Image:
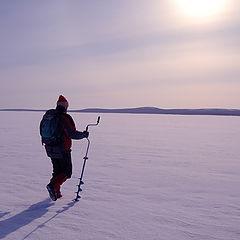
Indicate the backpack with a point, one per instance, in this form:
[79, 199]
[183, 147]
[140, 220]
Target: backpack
[50, 128]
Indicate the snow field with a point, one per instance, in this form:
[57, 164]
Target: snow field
[148, 177]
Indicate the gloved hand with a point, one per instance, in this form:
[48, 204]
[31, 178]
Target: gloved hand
[85, 134]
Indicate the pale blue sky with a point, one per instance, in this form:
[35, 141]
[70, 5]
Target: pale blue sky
[111, 54]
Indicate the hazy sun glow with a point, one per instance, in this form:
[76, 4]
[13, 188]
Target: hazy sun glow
[200, 9]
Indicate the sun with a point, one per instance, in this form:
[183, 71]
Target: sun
[200, 9]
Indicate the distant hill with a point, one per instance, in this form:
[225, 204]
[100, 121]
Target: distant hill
[152, 110]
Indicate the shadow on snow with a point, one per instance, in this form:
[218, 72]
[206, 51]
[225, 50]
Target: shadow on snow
[2, 214]
[25, 217]
[69, 205]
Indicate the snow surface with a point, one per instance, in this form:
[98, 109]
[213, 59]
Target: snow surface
[150, 177]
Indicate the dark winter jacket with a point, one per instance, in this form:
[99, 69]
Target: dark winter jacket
[69, 132]
[68, 128]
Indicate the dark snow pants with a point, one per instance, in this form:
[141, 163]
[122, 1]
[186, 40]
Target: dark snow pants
[62, 165]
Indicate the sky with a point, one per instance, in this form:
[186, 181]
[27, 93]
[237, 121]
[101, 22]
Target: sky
[116, 54]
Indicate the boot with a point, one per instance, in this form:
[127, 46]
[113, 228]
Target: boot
[57, 182]
[51, 191]
[58, 194]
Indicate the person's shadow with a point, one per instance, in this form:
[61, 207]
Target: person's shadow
[23, 218]
[65, 208]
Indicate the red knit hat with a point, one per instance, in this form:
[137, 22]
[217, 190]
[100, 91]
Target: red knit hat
[62, 101]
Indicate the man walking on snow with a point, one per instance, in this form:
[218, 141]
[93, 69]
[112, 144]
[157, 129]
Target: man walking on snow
[58, 144]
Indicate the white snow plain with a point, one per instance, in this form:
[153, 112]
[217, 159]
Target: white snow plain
[148, 177]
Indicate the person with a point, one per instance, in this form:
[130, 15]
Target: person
[60, 153]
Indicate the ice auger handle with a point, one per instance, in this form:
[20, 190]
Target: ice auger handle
[94, 124]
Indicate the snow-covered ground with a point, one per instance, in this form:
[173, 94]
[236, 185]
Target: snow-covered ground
[148, 177]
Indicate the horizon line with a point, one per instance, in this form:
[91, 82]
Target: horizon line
[146, 110]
